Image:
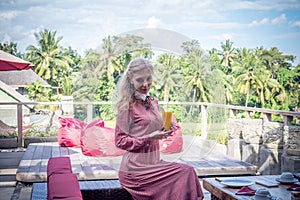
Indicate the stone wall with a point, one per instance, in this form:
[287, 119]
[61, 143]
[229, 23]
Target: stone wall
[271, 146]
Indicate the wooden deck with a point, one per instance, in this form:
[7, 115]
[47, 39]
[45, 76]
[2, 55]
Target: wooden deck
[203, 156]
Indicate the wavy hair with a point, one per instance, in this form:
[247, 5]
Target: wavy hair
[125, 90]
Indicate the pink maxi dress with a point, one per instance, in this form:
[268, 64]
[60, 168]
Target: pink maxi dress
[142, 173]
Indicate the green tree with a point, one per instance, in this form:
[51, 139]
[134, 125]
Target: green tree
[226, 79]
[198, 74]
[48, 57]
[10, 48]
[271, 90]
[168, 74]
[290, 79]
[38, 93]
[88, 77]
[117, 51]
[274, 60]
[246, 70]
[227, 54]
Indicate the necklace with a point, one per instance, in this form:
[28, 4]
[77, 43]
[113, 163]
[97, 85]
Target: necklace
[147, 102]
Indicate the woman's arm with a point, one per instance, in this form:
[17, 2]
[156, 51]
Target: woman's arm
[123, 139]
[127, 142]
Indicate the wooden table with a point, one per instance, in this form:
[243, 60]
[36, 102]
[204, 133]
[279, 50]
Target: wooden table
[221, 191]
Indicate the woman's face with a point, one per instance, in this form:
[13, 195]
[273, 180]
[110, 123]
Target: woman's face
[142, 81]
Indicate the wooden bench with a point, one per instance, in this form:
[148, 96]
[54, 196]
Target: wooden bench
[99, 189]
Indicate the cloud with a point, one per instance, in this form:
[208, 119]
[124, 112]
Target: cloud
[225, 36]
[153, 22]
[260, 5]
[274, 21]
[279, 19]
[296, 24]
[6, 39]
[261, 22]
[8, 15]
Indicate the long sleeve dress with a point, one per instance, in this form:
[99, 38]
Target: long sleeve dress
[142, 173]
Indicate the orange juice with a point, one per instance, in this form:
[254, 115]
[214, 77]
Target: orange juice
[167, 119]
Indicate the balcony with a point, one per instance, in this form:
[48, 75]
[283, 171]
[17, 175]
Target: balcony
[244, 133]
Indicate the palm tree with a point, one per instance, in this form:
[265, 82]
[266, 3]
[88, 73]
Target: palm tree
[91, 73]
[198, 76]
[274, 60]
[118, 51]
[227, 79]
[48, 57]
[227, 55]
[270, 89]
[168, 74]
[10, 48]
[247, 71]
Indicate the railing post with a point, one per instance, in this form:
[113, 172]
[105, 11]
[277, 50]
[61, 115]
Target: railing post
[204, 121]
[232, 113]
[89, 113]
[247, 114]
[287, 119]
[267, 117]
[20, 126]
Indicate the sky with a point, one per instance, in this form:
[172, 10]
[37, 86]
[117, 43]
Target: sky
[83, 24]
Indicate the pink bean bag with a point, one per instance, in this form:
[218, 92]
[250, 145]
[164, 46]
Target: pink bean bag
[172, 144]
[70, 131]
[98, 140]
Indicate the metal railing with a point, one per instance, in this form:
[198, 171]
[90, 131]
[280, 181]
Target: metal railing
[288, 116]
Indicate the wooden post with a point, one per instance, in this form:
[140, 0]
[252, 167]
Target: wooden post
[267, 117]
[89, 113]
[232, 113]
[20, 126]
[204, 121]
[287, 119]
[247, 114]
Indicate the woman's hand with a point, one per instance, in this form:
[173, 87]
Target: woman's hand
[158, 135]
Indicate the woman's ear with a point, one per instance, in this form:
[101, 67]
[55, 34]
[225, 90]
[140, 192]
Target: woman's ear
[130, 81]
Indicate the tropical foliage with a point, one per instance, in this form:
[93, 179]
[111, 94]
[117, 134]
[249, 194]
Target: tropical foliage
[259, 77]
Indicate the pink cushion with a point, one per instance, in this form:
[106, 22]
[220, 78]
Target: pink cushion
[59, 165]
[98, 140]
[69, 132]
[64, 186]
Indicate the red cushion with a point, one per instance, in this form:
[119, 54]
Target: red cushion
[59, 165]
[69, 132]
[64, 186]
[98, 140]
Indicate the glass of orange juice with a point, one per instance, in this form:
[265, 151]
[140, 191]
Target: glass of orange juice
[167, 119]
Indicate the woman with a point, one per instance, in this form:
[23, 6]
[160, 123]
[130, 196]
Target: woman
[138, 131]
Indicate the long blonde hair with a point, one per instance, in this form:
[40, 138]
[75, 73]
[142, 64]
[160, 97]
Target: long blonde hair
[125, 90]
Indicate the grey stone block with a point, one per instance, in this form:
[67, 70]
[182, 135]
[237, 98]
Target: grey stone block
[290, 163]
[234, 128]
[292, 140]
[272, 135]
[250, 153]
[252, 131]
[234, 149]
[269, 161]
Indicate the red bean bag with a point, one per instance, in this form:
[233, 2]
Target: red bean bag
[98, 140]
[172, 144]
[69, 132]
